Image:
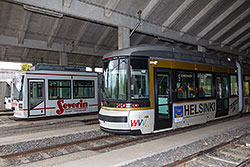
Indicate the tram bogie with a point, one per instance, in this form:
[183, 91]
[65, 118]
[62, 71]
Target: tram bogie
[148, 89]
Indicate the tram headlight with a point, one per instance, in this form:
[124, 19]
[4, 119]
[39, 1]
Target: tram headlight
[136, 105]
[127, 105]
[123, 105]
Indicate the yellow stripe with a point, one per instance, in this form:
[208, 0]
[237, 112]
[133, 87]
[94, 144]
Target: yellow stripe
[246, 72]
[126, 109]
[202, 67]
[190, 66]
[151, 85]
[232, 71]
[183, 65]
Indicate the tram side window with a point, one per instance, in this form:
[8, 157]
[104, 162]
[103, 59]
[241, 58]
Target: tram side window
[246, 85]
[139, 79]
[185, 85]
[59, 89]
[83, 89]
[233, 85]
[205, 84]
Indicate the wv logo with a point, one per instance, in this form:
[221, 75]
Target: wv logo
[178, 111]
[138, 122]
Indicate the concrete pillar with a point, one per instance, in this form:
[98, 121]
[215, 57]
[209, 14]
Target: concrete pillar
[63, 58]
[123, 37]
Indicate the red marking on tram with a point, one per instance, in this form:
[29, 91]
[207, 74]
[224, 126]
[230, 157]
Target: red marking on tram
[66, 106]
[71, 75]
[38, 108]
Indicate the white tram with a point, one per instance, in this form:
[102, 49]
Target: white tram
[148, 89]
[54, 90]
[7, 96]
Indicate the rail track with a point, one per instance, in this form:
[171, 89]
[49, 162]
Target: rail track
[233, 153]
[6, 112]
[33, 126]
[98, 145]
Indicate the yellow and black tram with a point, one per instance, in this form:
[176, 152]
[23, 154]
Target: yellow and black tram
[148, 89]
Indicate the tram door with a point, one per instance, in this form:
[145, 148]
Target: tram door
[36, 98]
[222, 95]
[163, 108]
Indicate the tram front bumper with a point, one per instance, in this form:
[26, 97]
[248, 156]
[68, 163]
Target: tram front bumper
[126, 121]
[114, 121]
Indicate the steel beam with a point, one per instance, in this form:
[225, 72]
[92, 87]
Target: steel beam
[3, 53]
[118, 19]
[198, 16]
[238, 42]
[103, 37]
[149, 8]
[139, 39]
[237, 33]
[24, 26]
[111, 4]
[54, 31]
[154, 41]
[67, 3]
[25, 53]
[42, 45]
[219, 19]
[63, 58]
[77, 57]
[247, 45]
[230, 25]
[183, 7]
[80, 34]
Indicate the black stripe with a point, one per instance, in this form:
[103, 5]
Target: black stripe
[112, 118]
[122, 131]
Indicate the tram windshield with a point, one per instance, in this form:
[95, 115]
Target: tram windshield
[18, 88]
[116, 74]
[115, 79]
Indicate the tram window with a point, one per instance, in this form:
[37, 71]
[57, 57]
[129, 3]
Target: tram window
[185, 85]
[233, 85]
[246, 85]
[36, 93]
[139, 79]
[39, 90]
[205, 85]
[18, 88]
[83, 89]
[59, 90]
[115, 79]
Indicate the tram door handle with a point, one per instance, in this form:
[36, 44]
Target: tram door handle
[41, 111]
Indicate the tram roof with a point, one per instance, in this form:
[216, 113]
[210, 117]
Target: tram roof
[171, 53]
